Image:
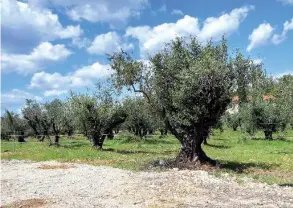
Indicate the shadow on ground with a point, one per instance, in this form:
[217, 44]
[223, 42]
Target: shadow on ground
[74, 145]
[128, 151]
[218, 146]
[243, 167]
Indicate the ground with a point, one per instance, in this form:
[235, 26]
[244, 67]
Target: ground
[54, 184]
[266, 161]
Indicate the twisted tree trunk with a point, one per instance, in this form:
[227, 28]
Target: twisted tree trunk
[191, 153]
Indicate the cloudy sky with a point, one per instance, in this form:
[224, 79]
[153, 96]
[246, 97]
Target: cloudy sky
[52, 46]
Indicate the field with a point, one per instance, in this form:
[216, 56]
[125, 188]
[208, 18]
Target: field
[266, 161]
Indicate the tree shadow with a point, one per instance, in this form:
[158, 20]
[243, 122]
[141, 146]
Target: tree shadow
[74, 145]
[128, 151]
[218, 146]
[239, 167]
[157, 141]
[282, 152]
[286, 185]
[271, 140]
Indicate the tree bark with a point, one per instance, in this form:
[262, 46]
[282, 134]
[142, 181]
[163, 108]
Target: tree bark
[21, 137]
[57, 140]
[191, 153]
[98, 141]
[268, 134]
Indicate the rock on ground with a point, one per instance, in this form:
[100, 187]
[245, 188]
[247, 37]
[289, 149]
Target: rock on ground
[77, 185]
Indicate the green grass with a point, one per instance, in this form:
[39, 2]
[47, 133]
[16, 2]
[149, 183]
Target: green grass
[267, 161]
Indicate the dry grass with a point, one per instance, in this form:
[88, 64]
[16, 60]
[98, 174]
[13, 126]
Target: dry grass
[62, 166]
[28, 203]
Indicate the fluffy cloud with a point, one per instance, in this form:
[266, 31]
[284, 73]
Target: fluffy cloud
[177, 12]
[278, 38]
[107, 43]
[260, 36]
[110, 11]
[153, 39]
[25, 26]
[16, 97]
[290, 2]
[257, 61]
[42, 55]
[264, 34]
[57, 84]
[215, 27]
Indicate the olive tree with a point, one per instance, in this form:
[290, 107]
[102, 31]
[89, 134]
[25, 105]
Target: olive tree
[260, 115]
[55, 114]
[232, 120]
[38, 119]
[12, 124]
[189, 85]
[139, 120]
[98, 114]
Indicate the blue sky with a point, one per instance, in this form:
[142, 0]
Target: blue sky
[50, 47]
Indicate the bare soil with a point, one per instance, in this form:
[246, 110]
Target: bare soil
[25, 184]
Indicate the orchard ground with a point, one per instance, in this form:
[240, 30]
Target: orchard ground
[263, 160]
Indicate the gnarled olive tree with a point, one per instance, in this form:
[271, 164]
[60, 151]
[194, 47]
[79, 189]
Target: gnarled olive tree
[189, 85]
[98, 114]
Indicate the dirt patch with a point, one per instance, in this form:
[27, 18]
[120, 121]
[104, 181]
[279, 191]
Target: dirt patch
[101, 186]
[96, 162]
[7, 153]
[279, 174]
[62, 166]
[28, 203]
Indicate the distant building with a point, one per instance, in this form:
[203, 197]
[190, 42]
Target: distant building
[234, 107]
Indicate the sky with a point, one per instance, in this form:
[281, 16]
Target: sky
[50, 47]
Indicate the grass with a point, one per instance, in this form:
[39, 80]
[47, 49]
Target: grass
[266, 161]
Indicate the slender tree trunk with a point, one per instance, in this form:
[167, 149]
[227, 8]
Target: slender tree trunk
[57, 137]
[98, 141]
[20, 138]
[110, 135]
[268, 134]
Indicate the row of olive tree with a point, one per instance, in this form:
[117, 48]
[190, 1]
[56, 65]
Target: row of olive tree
[265, 103]
[187, 86]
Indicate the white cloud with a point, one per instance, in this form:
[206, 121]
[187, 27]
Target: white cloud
[290, 2]
[17, 96]
[163, 8]
[25, 26]
[257, 61]
[264, 34]
[279, 75]
[110, 11]
[153, 39]
[177, 12]
[57, 84]
[49, 93]
[260, 36]
[42, 55]
[81, 42]
[107, 43]
[225, 24]
[278, 38]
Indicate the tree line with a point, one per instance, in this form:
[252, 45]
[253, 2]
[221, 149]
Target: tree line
[184, 89]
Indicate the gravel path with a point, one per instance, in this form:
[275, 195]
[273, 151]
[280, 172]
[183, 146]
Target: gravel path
[77, 185]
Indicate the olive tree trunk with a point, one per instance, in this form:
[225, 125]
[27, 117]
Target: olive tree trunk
[268, 134]
[98, 141]
[191, 152]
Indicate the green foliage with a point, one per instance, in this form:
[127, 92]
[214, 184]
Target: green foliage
[13, 124]
[97, 114]
[188, 84]
[140, 120]
[232, 120]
